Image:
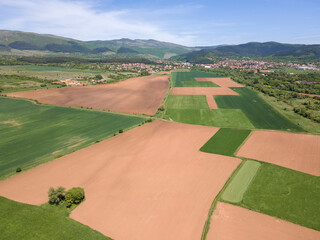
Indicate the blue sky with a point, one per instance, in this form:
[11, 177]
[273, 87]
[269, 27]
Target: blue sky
[191, 23]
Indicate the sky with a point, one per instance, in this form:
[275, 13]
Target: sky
[190, 23]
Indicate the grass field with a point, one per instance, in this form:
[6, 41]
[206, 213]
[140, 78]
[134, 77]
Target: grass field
[23, 221]
[226, 141]
[286, 194]
[239, 184]
[187, 102]
[193, 109]
[260, 114]
[187, 79]
[31, 134]
[209, 117]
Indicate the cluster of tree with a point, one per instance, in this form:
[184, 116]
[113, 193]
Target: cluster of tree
[13, 81]
[288, 88]
[60, 196]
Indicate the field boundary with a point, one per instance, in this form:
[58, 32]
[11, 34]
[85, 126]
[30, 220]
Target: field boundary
[244, 177]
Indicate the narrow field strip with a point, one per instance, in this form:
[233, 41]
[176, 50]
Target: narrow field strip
[226, 141]
[211, 102]
[239, 184]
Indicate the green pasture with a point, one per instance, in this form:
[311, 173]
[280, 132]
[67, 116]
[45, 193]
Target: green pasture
[239, 184]
[260, 114]
[286, 194]
[40, 68]
[31, 134]
[226, 141]
[187, 79]
[28, 222]
[187, 102]
[209, 117]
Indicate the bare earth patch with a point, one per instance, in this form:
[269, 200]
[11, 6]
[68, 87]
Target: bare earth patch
[300, 152]
[211, 102]
[151, 182]
[141, 95]
[231, 222]
[310, 95]
[202, 91]
[222, 82]
[14, 123]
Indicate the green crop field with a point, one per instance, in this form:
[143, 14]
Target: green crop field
[31, 134]
[239, 184]
[194, 109]
[187, 79]
[187, 102]
[226, 141]
[23, 221]
[209, 117]
[260, 114]
[286, 194]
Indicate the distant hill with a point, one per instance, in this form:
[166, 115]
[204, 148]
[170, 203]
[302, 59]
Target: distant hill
[25, 43]
[253, 49]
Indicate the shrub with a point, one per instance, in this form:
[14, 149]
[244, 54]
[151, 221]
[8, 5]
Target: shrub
[74, 196]
[120, 130]
[161, 108]
[56, 196]
[18, 169]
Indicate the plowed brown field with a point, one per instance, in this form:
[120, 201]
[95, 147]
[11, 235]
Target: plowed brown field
[300, 152]
[151, 182]
[141, 95]
[202, 91]
[231, 222]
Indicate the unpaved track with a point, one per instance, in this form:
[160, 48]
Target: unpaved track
[231, 222]
[222, 82]
[300, 152]
[141, 95]
[151, 182]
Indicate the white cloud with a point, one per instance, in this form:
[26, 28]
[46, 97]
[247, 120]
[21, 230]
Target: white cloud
[82, 20]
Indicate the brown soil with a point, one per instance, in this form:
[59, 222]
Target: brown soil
[310, 95]
[141, 95]
[211, 102]
[202, 91]
[222, 82]
[231, 222]
[300, 152]
[12, 122]
[151, 182]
